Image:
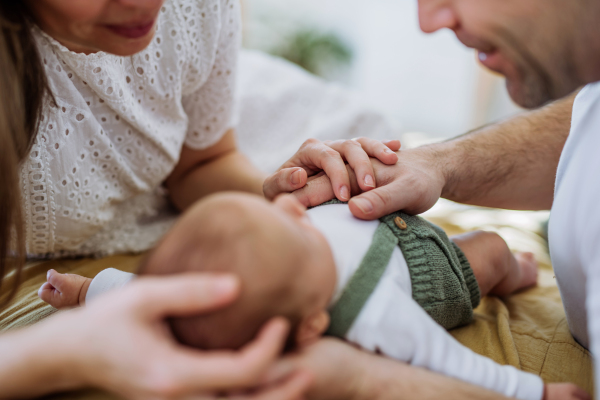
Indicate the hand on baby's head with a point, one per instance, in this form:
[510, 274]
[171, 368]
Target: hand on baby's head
[247, 236]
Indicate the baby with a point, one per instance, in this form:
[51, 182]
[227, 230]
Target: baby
[391, 286]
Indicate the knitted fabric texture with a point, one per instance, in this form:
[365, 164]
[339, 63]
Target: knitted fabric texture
[441, 277]
[442, 280]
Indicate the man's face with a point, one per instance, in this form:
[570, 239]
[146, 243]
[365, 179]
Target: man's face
[545, 48]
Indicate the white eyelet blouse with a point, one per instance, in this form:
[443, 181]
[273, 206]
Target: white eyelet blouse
[92, 182]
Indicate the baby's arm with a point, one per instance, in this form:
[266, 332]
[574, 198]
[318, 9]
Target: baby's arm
[70, 290]
[394, 324]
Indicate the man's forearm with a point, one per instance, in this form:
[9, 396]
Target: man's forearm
[391, 380]
[511, 164]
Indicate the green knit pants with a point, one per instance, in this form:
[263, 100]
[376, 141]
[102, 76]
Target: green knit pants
[442, 280]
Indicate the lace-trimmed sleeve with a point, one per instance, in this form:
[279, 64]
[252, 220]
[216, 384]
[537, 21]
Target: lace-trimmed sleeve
[211, 107]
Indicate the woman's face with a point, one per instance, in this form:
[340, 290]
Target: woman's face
[122, 27]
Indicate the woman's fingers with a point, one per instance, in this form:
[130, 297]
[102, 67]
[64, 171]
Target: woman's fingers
[393, 144]
[358, 153]
[316, 192]
[383, 151]
[330, 161]
[215, 371]
[181, 295]
[358, 159]
[318, 189]
[313, 157]
[284, 181]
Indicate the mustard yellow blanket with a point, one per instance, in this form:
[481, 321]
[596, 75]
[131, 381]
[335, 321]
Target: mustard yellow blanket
[527, 330]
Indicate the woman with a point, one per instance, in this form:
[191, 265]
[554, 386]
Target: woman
[49, 357]
[104, 100]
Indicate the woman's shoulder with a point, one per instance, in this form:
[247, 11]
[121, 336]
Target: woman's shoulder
[193, 29]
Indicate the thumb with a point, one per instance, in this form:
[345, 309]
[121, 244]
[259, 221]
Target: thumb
[180, 295]
[284, 181]
[377, 202]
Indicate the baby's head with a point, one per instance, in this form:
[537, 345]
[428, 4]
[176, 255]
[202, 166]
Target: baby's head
[283, 262]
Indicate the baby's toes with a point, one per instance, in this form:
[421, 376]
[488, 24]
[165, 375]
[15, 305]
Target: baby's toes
[529, 268]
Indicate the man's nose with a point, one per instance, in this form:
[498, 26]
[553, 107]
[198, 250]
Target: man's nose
[436, 14]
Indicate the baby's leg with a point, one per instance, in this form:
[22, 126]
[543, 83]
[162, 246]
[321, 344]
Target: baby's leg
[497, 270]
[64, 290]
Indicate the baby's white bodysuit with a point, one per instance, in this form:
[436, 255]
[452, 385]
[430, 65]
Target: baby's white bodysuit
[391, 322]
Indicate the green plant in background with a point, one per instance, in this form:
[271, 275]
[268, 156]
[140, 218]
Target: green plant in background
[320, 53]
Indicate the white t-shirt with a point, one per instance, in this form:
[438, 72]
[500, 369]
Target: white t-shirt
[575, 223]
[91, 184]
[391, 322]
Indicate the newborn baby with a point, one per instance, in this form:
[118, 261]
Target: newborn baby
[391, 286]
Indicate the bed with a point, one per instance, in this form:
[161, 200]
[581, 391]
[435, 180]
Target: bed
[527, 330]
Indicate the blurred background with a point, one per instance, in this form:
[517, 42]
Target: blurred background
[426, 84]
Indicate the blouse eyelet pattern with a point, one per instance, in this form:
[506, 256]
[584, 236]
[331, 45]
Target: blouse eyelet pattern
[92, 182]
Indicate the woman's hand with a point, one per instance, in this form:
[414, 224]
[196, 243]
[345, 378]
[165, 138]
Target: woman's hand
[137, 356]
[414, 184]
[121, 343]
[315, 156]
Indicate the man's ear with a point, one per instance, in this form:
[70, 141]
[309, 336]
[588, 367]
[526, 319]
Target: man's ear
[312, 327]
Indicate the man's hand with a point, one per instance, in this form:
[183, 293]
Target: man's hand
[413, 184]
[338, 367]
[330, 157]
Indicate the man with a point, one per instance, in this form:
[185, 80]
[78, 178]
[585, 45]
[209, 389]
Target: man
[547, 49]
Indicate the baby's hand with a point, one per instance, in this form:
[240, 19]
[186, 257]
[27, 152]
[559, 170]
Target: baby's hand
[565, 391]
[64, 290]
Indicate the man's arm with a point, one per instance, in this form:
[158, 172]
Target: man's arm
[511, 164]
[343, 372]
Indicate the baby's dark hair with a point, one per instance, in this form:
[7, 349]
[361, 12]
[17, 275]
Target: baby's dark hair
[221, 238]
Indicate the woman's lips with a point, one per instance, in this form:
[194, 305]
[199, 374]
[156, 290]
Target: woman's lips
[132, 31]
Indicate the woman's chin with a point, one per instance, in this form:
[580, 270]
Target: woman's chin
[117, 45]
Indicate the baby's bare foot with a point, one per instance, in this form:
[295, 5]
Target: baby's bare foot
[64, 290]
[564, 391]
[529, 269]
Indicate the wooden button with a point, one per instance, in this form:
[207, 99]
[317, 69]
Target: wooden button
[400, 223]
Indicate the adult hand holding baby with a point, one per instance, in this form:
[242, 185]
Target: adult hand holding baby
[330, 157]
[123, 344]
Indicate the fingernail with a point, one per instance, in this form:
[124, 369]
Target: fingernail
[364, 205]
[388, 151]
[369, 181]
[225, 284]
[345, 193]
[296, 177]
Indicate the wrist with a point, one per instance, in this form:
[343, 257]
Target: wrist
[38, 360]
[84, 290]
[439, 157]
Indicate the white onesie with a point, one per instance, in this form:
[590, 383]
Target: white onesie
[391, 322]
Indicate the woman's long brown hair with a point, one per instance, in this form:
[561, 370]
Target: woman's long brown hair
[23, 87]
